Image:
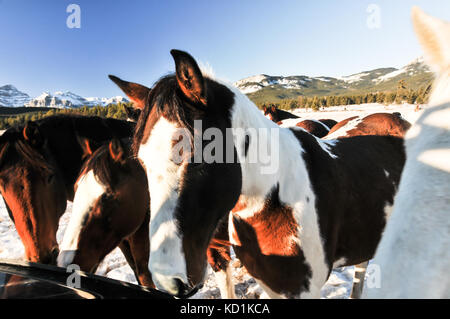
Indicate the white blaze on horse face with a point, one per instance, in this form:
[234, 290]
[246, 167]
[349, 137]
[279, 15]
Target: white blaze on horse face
[167, 260]
[89, 190]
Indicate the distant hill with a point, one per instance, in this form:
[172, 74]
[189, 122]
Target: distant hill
[262, 88]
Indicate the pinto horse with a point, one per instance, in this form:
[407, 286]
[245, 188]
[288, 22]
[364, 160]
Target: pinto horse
[374, 124]
[308, 206]
[39, 164]
[413, 256]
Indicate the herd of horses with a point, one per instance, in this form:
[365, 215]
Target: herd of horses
[342, 194]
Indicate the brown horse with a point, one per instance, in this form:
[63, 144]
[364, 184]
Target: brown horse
[118, 216]
[283, 118]
[374, 124]
[111, 208]
[39, 164]
[314, 127]
[315, 205]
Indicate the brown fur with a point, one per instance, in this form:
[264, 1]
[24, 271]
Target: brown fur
[376, 124]
[313, 127]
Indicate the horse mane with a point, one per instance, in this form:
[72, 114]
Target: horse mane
[13, 141]
[105, 167]
[165, 98]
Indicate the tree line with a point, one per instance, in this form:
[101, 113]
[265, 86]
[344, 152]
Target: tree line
[402, 95]
[116, 111]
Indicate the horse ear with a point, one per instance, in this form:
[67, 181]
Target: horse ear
[116, 150]
[132, 113]
[434, 36]
[189, 77]
[32, 134]
[88, 146]
[136, 92]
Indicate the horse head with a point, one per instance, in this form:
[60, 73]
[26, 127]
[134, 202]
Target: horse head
[33, 189]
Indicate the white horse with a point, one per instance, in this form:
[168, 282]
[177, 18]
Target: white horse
[413, 255]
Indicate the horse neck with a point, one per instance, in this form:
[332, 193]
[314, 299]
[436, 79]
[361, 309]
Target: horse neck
[441, 90]
[284, 150]
[284, 115]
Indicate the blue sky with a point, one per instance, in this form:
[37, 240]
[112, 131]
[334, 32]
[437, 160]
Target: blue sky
[238, 38]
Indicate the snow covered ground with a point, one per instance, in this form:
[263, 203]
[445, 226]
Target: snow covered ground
[114, 266]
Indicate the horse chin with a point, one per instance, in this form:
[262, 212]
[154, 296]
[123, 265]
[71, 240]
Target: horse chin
[65, 258]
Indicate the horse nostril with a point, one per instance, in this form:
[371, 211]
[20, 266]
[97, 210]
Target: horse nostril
[182, 287]
[184, 290]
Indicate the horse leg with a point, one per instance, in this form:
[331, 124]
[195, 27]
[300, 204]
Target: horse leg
[358, 280]
[126, 250]
[219, 258]
[140, 251]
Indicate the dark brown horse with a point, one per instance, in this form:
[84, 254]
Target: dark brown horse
[111, 208]
[117, 216]
[277, 115]
[374, 124]
[39, 164]
[315, 205]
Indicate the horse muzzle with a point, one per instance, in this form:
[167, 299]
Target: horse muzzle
[65, 258]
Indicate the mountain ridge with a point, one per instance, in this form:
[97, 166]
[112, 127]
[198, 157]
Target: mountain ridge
[264, 88]
[10, 96]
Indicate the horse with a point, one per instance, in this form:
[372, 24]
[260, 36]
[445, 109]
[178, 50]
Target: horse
[111, 208]
[413, 256]
[373, 124]
[39, 164]
[277, 115]
[307, 207]
[328, 122]
[318, 128]
[314, 127]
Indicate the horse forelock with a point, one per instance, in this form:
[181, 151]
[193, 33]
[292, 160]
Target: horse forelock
[14, 147]
[162, 100]
[105, 168]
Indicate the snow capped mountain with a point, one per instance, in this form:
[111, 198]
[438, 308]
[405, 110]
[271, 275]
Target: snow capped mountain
[71, 100]
[411, 69]
[106, 101]
[383, 79]
[12, 97]
[258, 82]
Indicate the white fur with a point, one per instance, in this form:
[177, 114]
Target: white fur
[295, 186]
[290, 122]
[224, 279]
[339, 263]
[414, 254]
[343, 131]
[89, 189]
[166, 250]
